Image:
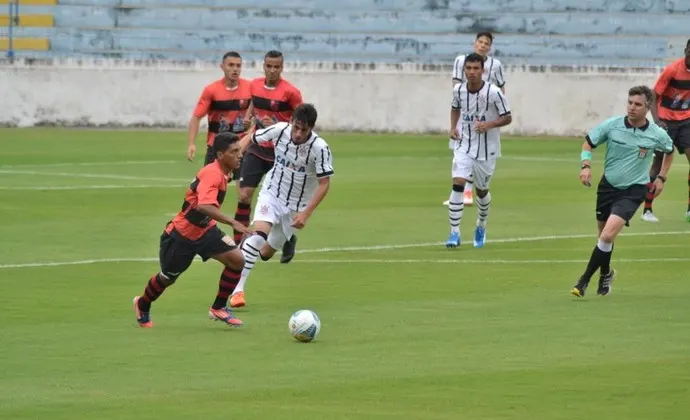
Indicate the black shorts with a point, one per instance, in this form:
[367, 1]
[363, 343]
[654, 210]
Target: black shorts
[253, 168]
[177, 253]
[621, 202]
[679, 131]
[211, 156]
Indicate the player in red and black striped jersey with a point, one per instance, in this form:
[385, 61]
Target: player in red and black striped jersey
[672, 112]
[273, 100]
[227, 105]
[194, 231]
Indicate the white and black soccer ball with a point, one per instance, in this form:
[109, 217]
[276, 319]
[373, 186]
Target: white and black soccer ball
[304, 325]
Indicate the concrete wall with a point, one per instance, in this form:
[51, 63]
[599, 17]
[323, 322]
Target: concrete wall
[383, 98]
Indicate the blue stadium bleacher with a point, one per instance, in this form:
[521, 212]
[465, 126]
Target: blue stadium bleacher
[425, 31]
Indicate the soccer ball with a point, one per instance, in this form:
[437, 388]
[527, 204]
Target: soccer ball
[304, 325]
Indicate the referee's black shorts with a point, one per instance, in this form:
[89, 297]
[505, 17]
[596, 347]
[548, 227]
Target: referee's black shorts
[621, 202]
[679, 131]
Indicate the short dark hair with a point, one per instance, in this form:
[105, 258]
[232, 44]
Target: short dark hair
[486, 34]
[305, 113]
[224, 140]
[231, 54]
[474, 58]
[644, 91]
[687, 46]
[274, 54]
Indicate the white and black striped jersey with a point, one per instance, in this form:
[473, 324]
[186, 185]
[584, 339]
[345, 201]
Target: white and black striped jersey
[486, 104]
[297, 167]
[493, 72]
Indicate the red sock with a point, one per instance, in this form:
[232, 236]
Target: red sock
[154, 289]
[242, 215]
[689, 191]
[649, 198]
[228, 281]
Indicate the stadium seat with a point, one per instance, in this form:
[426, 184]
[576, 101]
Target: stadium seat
[33, 2]
[34, 21]
[27, 44]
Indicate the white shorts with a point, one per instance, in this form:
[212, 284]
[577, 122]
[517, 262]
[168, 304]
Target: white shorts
[269, 209]
[477, 171]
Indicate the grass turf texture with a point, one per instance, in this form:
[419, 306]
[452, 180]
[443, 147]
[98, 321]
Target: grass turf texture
[408, 332]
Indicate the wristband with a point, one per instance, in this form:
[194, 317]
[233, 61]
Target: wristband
[586, 155]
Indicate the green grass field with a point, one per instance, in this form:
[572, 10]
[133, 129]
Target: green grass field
[410, 330]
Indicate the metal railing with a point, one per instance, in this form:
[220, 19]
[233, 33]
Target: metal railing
[13, 20]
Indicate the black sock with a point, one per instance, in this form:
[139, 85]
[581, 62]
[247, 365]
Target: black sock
[606, 262]
[594, 263]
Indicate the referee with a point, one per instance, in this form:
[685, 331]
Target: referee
[630, 144]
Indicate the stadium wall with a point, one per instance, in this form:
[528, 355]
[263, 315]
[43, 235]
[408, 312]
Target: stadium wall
[373, 98]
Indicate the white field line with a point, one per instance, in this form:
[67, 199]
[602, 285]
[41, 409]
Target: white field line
[493, 241]
[102, 176]
[70, 164]
[88, 187]
[388, 247]
[460, 261]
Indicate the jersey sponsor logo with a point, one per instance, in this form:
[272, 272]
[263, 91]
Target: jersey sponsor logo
[472, 118]
[679, 104]
[224, 125]
[238, 125]
[286, 163]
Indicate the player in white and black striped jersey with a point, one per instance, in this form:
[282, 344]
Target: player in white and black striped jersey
[292, 189]
[493, 73]
[478, 109]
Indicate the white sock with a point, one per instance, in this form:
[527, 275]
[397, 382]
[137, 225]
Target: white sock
[605, 246]
[483, 204]
[250, 249]
[455, 208]
[468, 186]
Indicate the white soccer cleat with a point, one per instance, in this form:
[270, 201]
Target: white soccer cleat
[447, 203]
[648, 216]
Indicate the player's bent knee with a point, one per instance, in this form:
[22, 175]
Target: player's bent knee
[262, 229]
[168, 278]
[245, 195]
[267, 251]
[482, 193]
[232, 259]
[612, 228]
[458, 187]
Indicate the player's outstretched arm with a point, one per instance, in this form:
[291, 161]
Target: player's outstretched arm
[214, 213]
[301, 218]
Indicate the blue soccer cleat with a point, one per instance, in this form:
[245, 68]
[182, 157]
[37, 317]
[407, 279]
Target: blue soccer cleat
[453, 240]
[479, 236]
